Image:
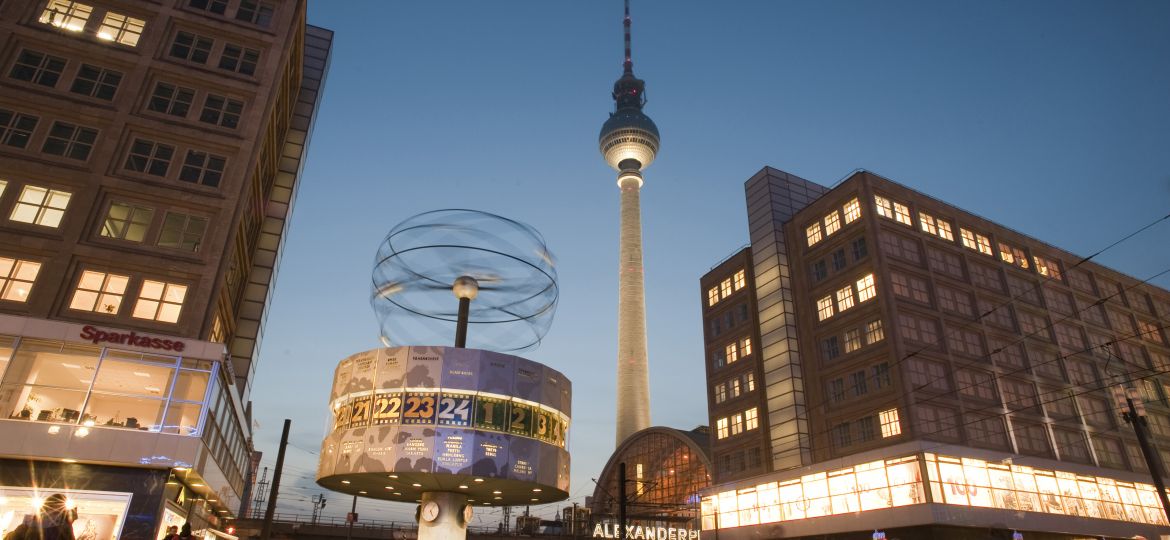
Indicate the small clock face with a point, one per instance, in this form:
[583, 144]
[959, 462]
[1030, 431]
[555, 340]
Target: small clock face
[430, 511]
[467, 513]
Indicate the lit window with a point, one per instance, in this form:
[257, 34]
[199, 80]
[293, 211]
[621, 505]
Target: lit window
[720, 393]
[852, 211]
[845, 298]
[71, 141]
[127, 222]
[150, 157]
[976, 241]
[735, 388]
[257, 13]
[751, 419]
[171, 99]
[740, 280]
[16, 278]
[936, 227]
[97, 82]
[902, 214]
[824, 308]
[40, 206]
[202, 168]
[944, 231]
[865, 288]
[16, 128]
[890, 424]
[1013, 255]
[745, 347]
[874, 332]
[1047, 267]
[38, 68]
[160, 301]
[188, 46]
[221, 111]
[712, 296]
[737, 423]
[99, 292]
[832, 223]
[732, 353]
[725, 288]
[122, 29]
[721, 428]
[750, 382]
[852, 340]
[66, 14]
[813, 233]
[884, 207]
[239, 59]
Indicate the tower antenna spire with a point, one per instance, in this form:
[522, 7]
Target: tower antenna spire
[629, 62]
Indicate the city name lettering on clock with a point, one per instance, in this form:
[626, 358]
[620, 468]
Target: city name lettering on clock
[97, 336]
[639, 532]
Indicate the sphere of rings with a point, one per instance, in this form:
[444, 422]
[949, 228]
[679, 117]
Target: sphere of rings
[430, 260]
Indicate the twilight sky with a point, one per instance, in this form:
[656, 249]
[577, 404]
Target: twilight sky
[1052, 118]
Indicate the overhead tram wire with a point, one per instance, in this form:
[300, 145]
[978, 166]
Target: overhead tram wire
[1037, 286]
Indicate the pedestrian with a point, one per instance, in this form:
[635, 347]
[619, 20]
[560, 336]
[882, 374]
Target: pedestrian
[172, 533]
[55, 521]
[185, 533]
[21, 531]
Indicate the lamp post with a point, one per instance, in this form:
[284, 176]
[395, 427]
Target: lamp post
[466, 288]
[1133, 410]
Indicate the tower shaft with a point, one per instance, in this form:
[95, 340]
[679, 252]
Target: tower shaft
[633, 378]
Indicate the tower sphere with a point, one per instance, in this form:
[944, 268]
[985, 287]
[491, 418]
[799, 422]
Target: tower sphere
[629, 134]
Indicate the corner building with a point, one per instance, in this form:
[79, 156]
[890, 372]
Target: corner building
[150, 154]
[917, 369]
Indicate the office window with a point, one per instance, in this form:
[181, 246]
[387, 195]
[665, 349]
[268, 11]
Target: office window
[1058, 301]
[1092, 312]
[217, 7]
[122, 29]
[944, 262]
[873, 332]
[1097, 412]
[171, 99]
[839, 435]
[725, 288]
[1033, 325]
[916, 328]
[832, 223]
[720, 393]
[1058, 403]
[910, 287]
[96, 82]
[865, 288]
[221, 111]
[749, 382]
[858, 384]
[1013, 255]
[38, 68]
[844, 298]
[735, 389]
[881, 375]
[819, 270]
[1081, 371]
[1008, 354]
[976, 241]
[1081, 280]
[737, 423]
[852, 210]
[891, 425]
[1047, 267]
[16, 279]
[831, 348]
[813, 234]
[900, 247]
[937, 422]
[751, 419]
[852, 340]
[859, 249]
[987, 277]
[732, 353]
[1045, 362]
[16, 128]
[884, 207]
[964, 341]
[739, 280]
[150, 157]
[40, 206]
[837, 390]
[712, 296]
[257, 13]
[716, 326]
[160, 301]
[191, 47]
[239, 59]
[902, 214]
[955, 301]
[66, 14]
[719, 359]
[745, 347]
[202, 168]
[1031, 439]
[987, 431]
[1019, 395]
[1149, 332]
[866, 427]
[928, 375]
[824, 308]
[1109, 452]
[99, 292]
[721, 428]
[128, 222]
[1072, 445]
[839, 261]
[936, 227]
[1024, 289]
[1121, 322]
[69, 140]
[1069, 337]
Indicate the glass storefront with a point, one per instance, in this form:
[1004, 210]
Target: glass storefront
[58, 382]
[952, 480]
[100, 514]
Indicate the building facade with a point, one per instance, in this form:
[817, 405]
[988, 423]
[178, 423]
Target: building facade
[150, 156]
[935, 367]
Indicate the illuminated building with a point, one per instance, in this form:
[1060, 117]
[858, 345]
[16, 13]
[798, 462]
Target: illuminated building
[150, 156]
[629, 141]
[666, 470]
[925, 371]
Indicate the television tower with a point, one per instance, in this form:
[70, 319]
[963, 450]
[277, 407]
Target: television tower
[629, 142]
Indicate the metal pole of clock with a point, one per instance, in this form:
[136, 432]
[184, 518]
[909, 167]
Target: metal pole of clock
[465, 288]
[352, 517]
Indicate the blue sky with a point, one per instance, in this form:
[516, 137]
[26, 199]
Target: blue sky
[1052, 118]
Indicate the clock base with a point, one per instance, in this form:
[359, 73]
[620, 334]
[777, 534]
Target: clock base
[449, 523]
